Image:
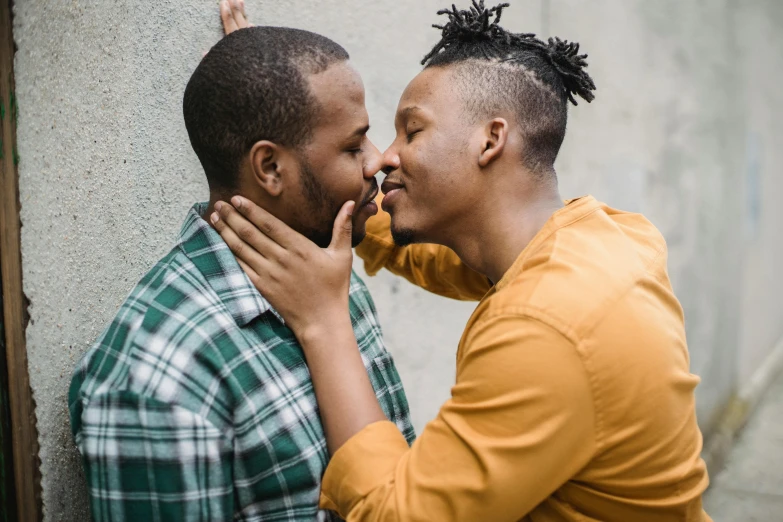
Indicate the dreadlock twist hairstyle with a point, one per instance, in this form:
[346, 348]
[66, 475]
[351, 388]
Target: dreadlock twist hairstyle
[476, 28]
[499, 72]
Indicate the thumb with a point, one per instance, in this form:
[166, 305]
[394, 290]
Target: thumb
[343, 228]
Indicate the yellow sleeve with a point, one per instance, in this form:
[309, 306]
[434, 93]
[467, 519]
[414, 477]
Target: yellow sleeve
[520, 423]
[435, 268]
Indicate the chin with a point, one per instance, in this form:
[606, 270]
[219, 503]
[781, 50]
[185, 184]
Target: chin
[403, 236]
[357, 237]
[359, 231]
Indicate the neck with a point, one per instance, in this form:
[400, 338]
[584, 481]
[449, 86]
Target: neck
[495, 235]
[225, 197]
[211, 207]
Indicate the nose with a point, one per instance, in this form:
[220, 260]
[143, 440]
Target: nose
[390, 160]
[372, 160]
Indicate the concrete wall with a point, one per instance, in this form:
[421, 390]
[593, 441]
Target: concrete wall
[685, 129]
[759, 25]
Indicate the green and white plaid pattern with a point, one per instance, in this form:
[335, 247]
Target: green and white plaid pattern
[196, 402]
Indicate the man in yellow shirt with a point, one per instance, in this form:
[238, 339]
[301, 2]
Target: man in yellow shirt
[573, 398]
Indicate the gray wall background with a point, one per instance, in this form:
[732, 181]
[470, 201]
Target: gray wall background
[686, 128]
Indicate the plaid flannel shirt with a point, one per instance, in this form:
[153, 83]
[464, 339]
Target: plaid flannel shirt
[196, 402]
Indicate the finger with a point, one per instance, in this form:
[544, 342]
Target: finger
[240, 249]
[244, 16]
[229, 25]
[251, 274]
[237, 10]
[342, 233]
[268, 224]
[247, 232]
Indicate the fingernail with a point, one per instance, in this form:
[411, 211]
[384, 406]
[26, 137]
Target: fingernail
[214, 218]
[351, 206]
[236, 201]
[218, 205]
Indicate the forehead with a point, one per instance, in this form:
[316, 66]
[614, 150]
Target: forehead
[431, 89]
[339, 91]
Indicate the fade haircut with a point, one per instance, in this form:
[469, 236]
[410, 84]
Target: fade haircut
[253, 86]
[496, 70]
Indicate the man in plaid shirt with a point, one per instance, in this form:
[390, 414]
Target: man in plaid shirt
[196, 402]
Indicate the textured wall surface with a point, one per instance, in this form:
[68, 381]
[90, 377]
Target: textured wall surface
[667, 139]
[759, 28]
[686, 129]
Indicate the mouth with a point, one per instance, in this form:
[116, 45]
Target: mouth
[390, 185]
[368, 203]
[391, 189]
[371, 198]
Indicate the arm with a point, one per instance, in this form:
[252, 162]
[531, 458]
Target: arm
[434, 268]
[346, 399]
[147, 460]
[519, 424]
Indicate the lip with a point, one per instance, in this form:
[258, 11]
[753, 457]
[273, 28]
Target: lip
[389, 185]
[370, 204]
[371, 197]
[370, 207]
[389, 197]
[391, 190]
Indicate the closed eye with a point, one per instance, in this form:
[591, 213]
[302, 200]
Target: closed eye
[411, 135]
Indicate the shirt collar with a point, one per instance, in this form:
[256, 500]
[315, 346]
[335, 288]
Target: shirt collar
[209, 253]
[574, 210]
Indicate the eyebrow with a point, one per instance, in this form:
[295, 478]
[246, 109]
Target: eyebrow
[360, 132]
[407, 112]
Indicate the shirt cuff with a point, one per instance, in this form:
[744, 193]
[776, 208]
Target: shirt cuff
[364, 463]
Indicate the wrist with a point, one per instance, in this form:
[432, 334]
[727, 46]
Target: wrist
[328, 328]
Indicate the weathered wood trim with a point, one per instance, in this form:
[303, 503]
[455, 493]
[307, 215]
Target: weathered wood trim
[24, 436]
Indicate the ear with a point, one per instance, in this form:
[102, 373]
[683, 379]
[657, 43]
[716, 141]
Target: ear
[493, 141]
[268, 162]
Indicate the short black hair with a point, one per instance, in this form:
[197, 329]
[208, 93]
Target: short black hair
[252, 86]
[500, 69]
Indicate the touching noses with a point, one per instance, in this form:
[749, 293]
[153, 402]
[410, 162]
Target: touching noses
[373, 160]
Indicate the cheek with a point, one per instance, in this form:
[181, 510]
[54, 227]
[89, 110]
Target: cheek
[347, 180]
[430, 163]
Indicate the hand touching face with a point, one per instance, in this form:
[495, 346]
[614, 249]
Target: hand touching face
[307, 285]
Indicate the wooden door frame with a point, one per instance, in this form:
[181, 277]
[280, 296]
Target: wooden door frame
[24, 435]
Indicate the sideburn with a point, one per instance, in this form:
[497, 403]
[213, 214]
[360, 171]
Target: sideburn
[313, 220]
[322, 213]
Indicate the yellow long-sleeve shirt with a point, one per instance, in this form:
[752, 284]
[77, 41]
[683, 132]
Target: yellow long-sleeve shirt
[573, 399]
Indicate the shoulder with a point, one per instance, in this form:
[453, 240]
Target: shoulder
[167, 293]
[170, 341]
[582, 271]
